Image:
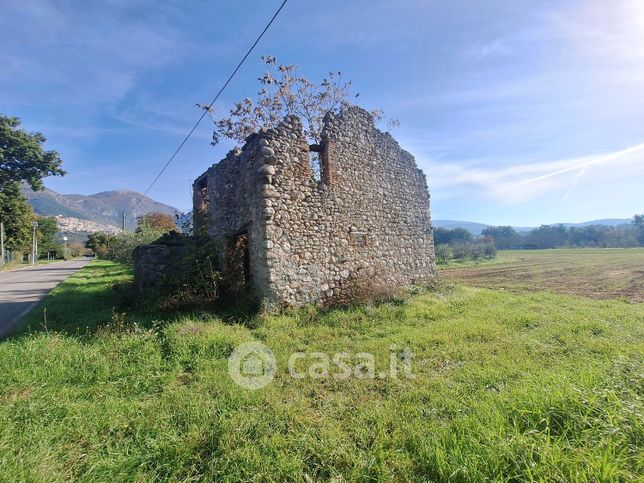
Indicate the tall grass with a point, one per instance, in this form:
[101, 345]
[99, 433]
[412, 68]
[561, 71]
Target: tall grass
[523, 386]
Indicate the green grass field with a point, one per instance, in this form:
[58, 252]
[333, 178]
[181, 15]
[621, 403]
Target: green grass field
[516, 383]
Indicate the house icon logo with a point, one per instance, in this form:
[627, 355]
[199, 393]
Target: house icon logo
[252, 365]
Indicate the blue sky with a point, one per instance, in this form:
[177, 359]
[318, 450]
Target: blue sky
[519, 112]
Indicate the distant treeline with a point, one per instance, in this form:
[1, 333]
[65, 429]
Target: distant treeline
[550, 236]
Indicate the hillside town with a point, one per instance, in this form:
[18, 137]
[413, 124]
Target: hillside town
[67, 224]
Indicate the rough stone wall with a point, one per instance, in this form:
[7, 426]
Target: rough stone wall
[235, 206]
[154, 262]
[309, 240]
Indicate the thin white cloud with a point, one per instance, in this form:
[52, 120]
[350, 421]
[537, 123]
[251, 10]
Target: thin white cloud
[577, 166]
[524, 182]
[574, 184]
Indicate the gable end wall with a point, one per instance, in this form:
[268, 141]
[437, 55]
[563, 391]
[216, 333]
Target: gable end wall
[368, 219]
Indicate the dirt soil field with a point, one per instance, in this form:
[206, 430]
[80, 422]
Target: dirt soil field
[599, 273]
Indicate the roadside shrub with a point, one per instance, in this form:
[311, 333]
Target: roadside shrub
[122, 246]
[72, 250]
[102, 252]
[76, 249]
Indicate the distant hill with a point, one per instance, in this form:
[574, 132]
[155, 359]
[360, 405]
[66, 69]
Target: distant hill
[476, 228]
[106, 207]
[606, 221]
[471, 226]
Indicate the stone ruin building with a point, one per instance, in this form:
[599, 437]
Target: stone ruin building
[301, 237]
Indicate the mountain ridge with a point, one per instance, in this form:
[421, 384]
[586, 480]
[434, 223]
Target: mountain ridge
[106, 207]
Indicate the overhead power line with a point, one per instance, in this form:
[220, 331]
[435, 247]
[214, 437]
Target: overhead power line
[208, 107]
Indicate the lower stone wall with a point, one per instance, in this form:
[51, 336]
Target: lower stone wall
[153, 263]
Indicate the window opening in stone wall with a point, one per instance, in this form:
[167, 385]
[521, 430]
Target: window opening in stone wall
[238, 262]
[315, 157]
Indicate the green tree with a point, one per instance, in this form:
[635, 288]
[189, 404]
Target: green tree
[75, 249]
[638, 222]
[46, 233]
[505, 237]
[548, 236]
[444, 235]
[17, 215]
[100, 243]
[22, 156]
[156, 222]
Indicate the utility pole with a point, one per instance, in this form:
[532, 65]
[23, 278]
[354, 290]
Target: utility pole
[65, 250]
[1, 243]
[34, 246]
[123, 220]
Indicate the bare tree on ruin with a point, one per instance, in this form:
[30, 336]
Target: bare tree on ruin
[285, 91]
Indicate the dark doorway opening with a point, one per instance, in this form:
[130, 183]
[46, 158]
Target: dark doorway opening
[201, 202]
[238, 262]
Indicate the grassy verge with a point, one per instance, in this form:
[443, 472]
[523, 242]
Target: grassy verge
[86, 301]
[7, 267]
[508, 386]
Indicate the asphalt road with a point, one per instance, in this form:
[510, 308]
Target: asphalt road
[21, 290]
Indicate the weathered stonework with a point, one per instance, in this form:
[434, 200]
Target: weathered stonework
[368, 216]
[154, 262]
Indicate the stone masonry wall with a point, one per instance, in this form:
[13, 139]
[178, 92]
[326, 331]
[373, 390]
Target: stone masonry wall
[309, 240]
